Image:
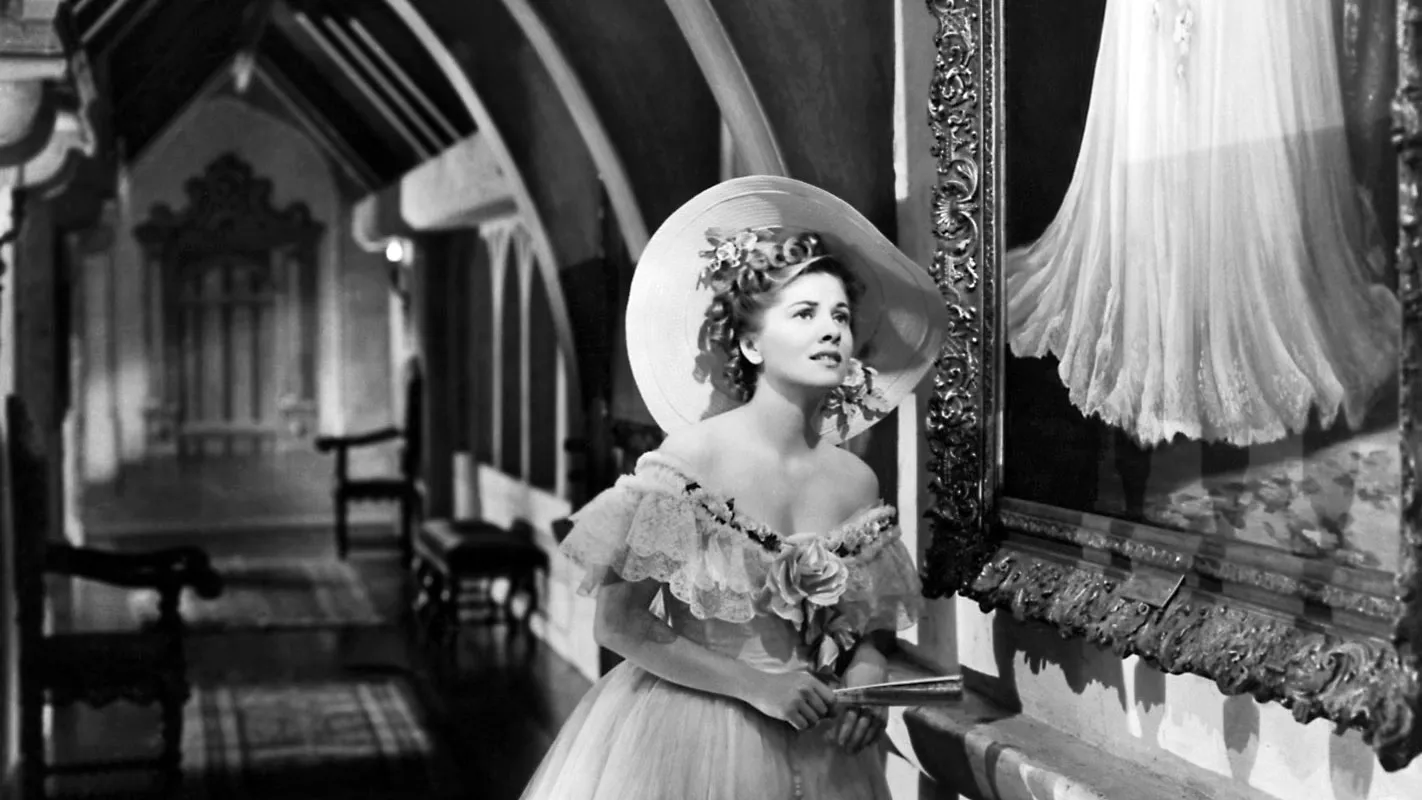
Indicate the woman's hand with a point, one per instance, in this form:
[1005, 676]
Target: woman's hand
[797, 698]
[859, 727]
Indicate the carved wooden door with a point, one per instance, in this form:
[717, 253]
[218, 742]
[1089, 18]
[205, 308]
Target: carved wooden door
[227, 333]
[230, 332]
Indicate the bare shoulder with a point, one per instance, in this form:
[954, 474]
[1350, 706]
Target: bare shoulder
[696, 446]
[856, 480]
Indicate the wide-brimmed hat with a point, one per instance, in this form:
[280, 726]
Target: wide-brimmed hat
[900, 320]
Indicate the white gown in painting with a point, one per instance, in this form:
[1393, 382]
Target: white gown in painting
[1212, 270]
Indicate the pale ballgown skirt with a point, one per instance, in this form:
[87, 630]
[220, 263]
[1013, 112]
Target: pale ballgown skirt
[637, 737]
[1212, 271]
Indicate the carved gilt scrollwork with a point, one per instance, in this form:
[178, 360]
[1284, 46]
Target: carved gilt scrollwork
[1397, 743]
[958, 116]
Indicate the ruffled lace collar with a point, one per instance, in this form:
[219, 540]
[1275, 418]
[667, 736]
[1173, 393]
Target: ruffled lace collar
[857, 536]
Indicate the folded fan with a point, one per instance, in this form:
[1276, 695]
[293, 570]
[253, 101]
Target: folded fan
[914, 692]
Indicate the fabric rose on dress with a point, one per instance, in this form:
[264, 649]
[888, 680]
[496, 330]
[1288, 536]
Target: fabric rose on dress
[805, 571]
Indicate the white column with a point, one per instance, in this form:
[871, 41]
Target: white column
[560, 423]
[155, 324]
[496, 236]
[330, 388]
[98, 395]
[526, 265]
[7, 287]
[9, 631]
[287, 278]
[399, 352]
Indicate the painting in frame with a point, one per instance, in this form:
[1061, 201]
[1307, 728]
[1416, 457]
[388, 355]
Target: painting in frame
[1176, 412]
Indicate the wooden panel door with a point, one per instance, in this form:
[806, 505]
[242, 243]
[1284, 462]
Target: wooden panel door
[227, 336]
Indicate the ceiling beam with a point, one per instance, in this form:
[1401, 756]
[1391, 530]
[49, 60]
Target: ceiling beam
[446, 127]
[104, 19]
[393, 94]
[460, 188]
[125, 27]
[731, 85]
[354, 77]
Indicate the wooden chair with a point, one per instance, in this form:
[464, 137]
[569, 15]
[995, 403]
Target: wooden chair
[144, 666]
[403, 488]
[450, 555]
[147, 666]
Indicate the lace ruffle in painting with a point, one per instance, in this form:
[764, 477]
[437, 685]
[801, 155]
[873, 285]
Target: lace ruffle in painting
[1213, 269]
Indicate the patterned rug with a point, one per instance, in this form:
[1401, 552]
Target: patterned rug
[303, 740]
[273, 593]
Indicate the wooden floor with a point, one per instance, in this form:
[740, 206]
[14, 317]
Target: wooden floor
[491, 717]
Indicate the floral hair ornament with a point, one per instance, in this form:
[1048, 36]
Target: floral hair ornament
[741, 258]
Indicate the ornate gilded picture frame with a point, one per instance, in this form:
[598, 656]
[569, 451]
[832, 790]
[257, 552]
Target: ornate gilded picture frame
[1177, 411]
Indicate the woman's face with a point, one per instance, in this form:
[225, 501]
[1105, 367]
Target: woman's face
[805, 337]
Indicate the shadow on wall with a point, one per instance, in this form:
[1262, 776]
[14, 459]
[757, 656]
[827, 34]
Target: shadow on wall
[1351, 766]
[1241, 734]
[1042, 648]
[1141, 691]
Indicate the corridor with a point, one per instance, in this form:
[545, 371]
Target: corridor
[297, 707]
[317, 293]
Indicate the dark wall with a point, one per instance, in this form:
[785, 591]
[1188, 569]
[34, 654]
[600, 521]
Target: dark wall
[543, 443]
[535, 125]
[824, 73]
[649, 94]
[440, 255]
[478, 362]
[510, 390]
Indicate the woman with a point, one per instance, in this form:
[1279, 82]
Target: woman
[748, 564]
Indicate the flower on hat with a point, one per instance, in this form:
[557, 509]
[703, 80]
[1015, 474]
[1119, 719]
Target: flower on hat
[857, 394]
[735, 255]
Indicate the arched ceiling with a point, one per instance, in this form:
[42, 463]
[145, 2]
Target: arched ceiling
[377, 97]
[615, 102]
